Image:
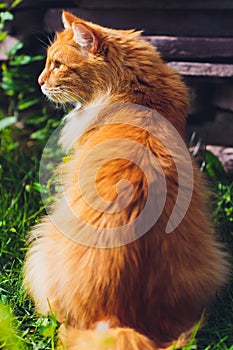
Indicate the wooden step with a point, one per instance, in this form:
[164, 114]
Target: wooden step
[203, 69]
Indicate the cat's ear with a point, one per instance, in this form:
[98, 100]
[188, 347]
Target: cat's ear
[83, 34]
[85, 37]
[68, 19]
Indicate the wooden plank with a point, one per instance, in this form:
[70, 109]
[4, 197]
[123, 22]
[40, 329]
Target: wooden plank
[203, 69]
[194, 48]
[158, 4]
[130, 4]
[205, 23]
[29, 4]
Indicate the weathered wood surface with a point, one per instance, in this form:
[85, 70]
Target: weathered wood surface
[175, 22]
[211, 18]
[203, 69]
[139, 4]
[194, 48]
[156, 4]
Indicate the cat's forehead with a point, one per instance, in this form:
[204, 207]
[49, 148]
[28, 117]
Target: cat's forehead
[65, 35]
[64, 46]
[63, 38]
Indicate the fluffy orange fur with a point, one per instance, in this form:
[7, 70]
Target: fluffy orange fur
[153, 290]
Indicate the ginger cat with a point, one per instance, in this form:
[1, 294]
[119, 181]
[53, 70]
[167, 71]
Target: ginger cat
[139, 290]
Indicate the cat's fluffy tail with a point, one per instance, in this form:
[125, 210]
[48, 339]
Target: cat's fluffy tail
[110, 339]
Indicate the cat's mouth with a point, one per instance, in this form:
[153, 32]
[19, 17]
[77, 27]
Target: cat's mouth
[55, 94]
[60, 94]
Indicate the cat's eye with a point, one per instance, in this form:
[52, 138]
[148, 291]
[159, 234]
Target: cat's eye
[57, 64]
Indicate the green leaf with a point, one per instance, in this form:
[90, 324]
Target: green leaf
[21, 60]
[3, 36]
[39, 135]
[15, 48]
[8, 336]
[38, 58]
[6, 16]
[2, 223]
[3, 5]
[213, 166]
[36, 119]
[27, 103]
[48, 328]
[15, 3]
[39, 188]
[24, 59]
[6, 122]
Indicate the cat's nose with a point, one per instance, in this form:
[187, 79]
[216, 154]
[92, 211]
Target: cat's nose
[40, 82]
[41, 79]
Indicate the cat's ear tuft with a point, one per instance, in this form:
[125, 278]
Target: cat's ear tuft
[84, 37]
[68, 19]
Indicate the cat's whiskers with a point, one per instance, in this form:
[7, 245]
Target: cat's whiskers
[54, 95]
[46, 39]
[62, 94]
[75, 94]
[71, 96]
[67, 92]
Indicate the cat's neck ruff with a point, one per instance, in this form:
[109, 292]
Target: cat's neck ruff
[80, 119]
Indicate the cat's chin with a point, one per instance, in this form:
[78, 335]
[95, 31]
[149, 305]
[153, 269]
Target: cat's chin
[57, 99]
[61, 99]
[56, 95]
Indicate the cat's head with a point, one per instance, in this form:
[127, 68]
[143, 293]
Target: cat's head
[83, 60]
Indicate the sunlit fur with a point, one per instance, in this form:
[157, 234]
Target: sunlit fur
[153, 290]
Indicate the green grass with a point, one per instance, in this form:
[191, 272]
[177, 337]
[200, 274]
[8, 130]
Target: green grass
[21, 207]
[19, 203]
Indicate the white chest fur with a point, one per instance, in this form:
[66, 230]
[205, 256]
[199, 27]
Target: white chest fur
[79, 120]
